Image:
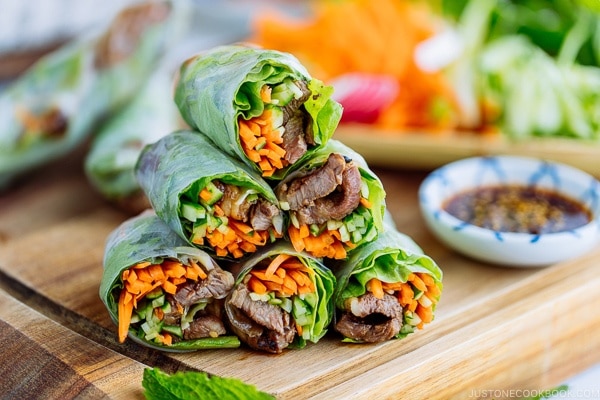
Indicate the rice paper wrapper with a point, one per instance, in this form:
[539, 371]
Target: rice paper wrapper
[57, 103]
[324, 282]
[147, 238]
[217, 87]
[391, 258]
[185, 162]
[110, 163]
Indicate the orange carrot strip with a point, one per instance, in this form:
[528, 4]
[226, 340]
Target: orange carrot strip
[295, 238]
[406, 294]
[427, 279]
[433, 291]
[273, 287]
[125, 309]
[291, 284]
[417, 282]
[275, 263]
[265, 94]
[143, 264]
[169, 287]
[365, 202]
[425, 313]
[375, 287]
[263, 276]
[257, 286]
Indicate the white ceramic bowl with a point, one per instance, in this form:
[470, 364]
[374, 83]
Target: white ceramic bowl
[508, 248]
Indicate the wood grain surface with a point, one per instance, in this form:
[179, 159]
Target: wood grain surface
[495, 327]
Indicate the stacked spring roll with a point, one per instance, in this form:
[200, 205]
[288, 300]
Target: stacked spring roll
[281, 298]
[386, 289]
[258, 105]
[162, 292]
[334, 201]
[55, 105]
[110, 163]
[210, 199]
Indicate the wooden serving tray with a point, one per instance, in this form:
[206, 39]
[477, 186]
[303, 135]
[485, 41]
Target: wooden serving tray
[496, 328]
[428, 150]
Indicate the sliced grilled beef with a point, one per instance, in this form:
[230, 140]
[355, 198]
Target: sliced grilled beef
[297, 126]
[216, 286]
[203, 327]
[262, 214]
[260, 325]
[328, 193]
[259, 213]
[370, 319]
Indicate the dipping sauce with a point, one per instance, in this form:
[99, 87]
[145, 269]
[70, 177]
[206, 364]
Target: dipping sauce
[518, 208]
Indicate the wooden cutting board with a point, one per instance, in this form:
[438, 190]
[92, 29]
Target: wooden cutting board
[496, 328]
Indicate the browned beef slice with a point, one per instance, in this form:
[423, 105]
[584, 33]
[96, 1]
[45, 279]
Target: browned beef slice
[217, 285]
[328, 193]
[371, 319]
[204, 326]
[338, 204]
[297, 126]
[260, 325]
[261, 215]
[304, 190]
[230, 203]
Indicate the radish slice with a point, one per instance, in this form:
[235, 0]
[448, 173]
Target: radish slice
[363, 95]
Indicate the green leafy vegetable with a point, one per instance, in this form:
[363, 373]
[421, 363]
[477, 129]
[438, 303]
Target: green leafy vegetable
[197, 385]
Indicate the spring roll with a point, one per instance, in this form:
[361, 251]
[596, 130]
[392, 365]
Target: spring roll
[57, 103]
[212, 200]
[258, 105]
[110, 163]
[334, 201]
[386, 289]
[161, 292]
[281, 298]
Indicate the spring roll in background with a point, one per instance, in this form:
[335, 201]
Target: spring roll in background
[110, 163]
[282, 298]
[334, 201]
[258, 105]
[161, 292]
[212, 200]
[386, 289]
[58, 102]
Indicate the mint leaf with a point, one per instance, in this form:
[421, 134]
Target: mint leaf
[194, 385]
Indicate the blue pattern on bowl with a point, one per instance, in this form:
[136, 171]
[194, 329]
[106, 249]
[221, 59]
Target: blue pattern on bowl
[480, 171]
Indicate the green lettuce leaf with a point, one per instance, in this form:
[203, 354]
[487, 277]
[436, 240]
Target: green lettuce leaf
[197, 385]
[215, 88]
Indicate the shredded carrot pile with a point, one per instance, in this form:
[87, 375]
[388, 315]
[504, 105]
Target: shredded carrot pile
[375, 37]
[235, 238]
[143, 278]
[285, 275]
[405, 293]
[326, 244]
[261, 141]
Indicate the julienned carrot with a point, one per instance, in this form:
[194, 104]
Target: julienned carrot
[236, 238]
[261, 140]
[144, 277]
[285, 275]
[405, 292]
[328, 243]
[374, 38]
